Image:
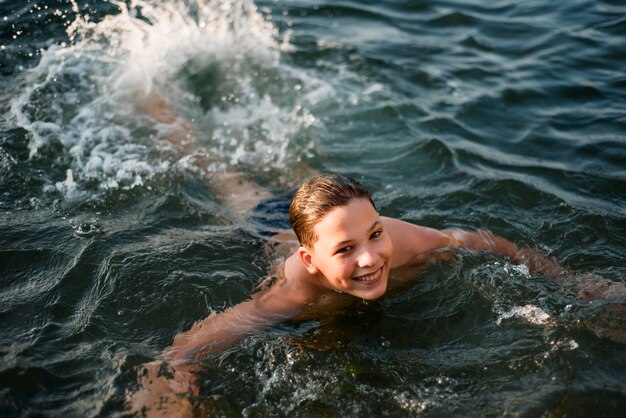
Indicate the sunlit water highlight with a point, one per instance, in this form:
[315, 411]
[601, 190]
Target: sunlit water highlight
[508, 116]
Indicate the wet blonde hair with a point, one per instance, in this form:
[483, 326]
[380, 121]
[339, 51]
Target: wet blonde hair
[318, 196]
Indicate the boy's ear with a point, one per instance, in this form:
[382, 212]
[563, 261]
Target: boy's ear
[307, 260]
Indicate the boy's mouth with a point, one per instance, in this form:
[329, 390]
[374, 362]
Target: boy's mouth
[370, 278]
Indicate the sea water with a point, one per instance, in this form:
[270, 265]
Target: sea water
[508, 116]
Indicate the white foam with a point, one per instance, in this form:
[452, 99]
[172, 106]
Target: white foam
[518, 268]
[530, 313]
[84, 96]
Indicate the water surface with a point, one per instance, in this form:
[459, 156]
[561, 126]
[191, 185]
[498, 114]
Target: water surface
[504, 115]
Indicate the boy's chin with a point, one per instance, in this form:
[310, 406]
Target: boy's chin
[376, 292]
[367, 297]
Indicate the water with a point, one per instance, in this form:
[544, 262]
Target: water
[504, 115]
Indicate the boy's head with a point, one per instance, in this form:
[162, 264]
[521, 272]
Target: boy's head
[318, 196]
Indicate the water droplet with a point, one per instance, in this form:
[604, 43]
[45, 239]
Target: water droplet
[87, 228]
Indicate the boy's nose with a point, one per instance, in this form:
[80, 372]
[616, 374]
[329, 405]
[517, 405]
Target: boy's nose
[367, 258]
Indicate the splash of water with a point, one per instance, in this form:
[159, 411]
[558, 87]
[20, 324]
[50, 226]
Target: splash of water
[218, 64]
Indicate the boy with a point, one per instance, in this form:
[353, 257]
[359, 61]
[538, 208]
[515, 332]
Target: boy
[346, 251]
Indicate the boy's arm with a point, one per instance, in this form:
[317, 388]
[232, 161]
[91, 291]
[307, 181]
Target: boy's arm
[222, 330]
[414, 244]
[163, 387]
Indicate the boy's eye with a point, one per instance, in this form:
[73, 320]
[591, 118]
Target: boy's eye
[344, 250]
[376, 234]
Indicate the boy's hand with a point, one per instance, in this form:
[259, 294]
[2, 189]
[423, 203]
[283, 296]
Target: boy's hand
[538, 262]
[163, 392]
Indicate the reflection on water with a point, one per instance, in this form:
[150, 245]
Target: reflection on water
[502, 116]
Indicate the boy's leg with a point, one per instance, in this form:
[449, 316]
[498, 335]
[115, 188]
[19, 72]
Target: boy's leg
[232, 188]
[237, 192]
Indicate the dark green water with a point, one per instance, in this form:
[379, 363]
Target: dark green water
[502, 115]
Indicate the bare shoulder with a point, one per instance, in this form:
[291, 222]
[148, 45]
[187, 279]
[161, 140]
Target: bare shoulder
[412, 243]
[292, 290]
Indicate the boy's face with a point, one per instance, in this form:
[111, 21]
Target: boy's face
[353, 252]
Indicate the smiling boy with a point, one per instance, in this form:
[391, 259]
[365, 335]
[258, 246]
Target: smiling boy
[345, 252]
[346, 249]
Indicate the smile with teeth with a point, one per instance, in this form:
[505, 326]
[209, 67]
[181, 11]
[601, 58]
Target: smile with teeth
[370, 278]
